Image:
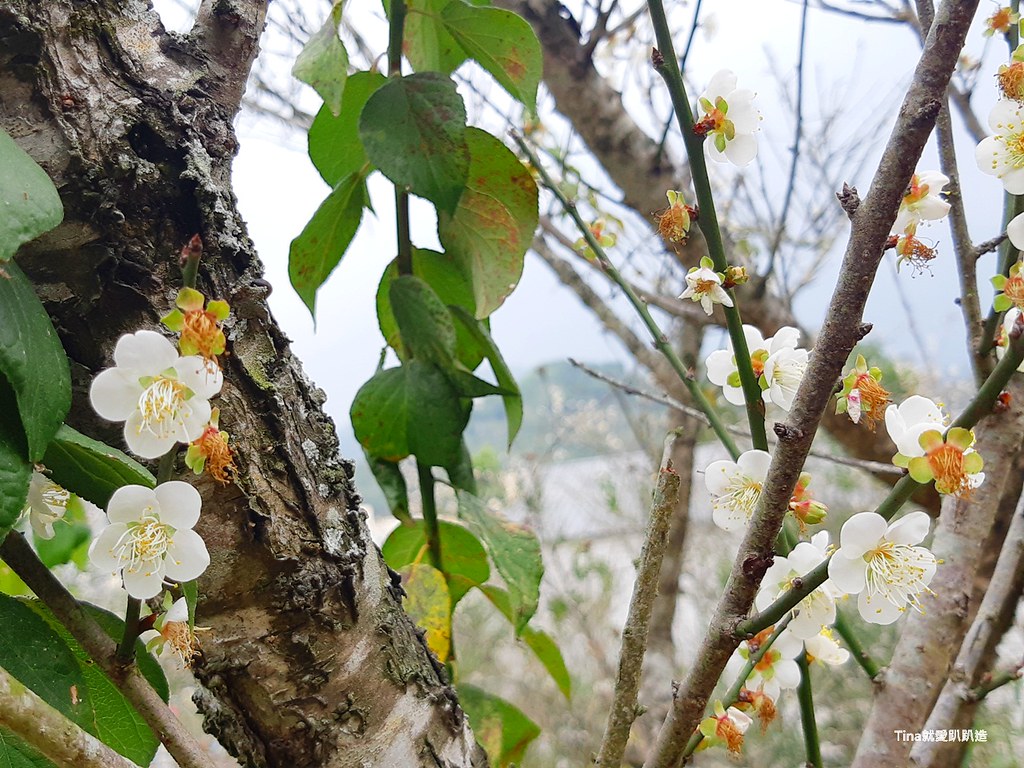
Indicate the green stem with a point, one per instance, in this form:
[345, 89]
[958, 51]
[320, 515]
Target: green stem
[997, 681]
[396, 33]
[733, 694]
[810, 725]
[862, 657]
[431, 529]
[660, 339]
[666, 65]
[125, 652]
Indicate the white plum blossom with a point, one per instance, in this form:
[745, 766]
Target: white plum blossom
[1009, 319]
[47, 503]
[783, 372]
[721, 364]
[879, 563]
[777, 669]
[704, 285]
[162, 398]
[815, 611]
[825, 649]
[735, 488]
[171, 631]
[911, 419]
[1015, 231]
[728, 119]
[1002, 154]
[150, 537]
[922, 202]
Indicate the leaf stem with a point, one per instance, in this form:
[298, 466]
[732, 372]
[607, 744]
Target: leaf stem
[431, 529]
[396, 34]
[666, 65]
[661, 342]
[807, 720]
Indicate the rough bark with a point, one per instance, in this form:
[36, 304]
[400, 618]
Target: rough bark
[310, 660]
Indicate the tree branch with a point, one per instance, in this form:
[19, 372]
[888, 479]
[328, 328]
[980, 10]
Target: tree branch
[841, 331]
[623, 710]
[47, 730]
[17, 553]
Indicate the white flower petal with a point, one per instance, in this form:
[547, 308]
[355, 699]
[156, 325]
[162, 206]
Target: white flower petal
[861, 533]
[787, 673]
[145, 582]
[848, 574]
[101, 552]
[741, 150]
[754, 464]
[718, 475]
[194, 420]
[145, 352]
[876, 609]
[128, 501]
[719, 365]
[729, 519]
[180, 504]
[909, 529]
[1013, 181]
[142, 442]
[178, 611]
[916, 409]
[722, 83]
[203, 377]
[114, 394]
[187, 556]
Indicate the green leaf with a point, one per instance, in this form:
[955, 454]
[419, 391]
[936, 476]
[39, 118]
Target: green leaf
[15, 469]
[510, 390]
[427, 44]
[472, 386]
[317, 250]
[190, 591]
[414, 131]
[460, 472]
[515, 552]
[464, 557]
[15, 753]
[537, 640]
[391, 481]
[493, 225]
[101, 709]
[502, 43]
[323, 62]
[71, 537]
[28, 199]
[424, 322]
[91, 469]
[334, 144]
[413, 409]
[33, 360]
[452, 284]
[500, 727]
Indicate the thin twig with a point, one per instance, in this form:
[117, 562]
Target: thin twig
[623, 710]
[874, 467]
[660, 339]
[807, 720]
[861, 656]
[17, 553]
[47, 730]
[780, 228]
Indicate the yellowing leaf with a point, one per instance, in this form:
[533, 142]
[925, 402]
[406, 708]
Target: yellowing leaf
[428, 604]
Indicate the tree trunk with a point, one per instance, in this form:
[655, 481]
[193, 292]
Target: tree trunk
[310, 660]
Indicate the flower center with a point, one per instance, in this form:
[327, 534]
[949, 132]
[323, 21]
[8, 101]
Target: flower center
[674, 223]
[1011, 80]
[897, 573]
[873, 398]
[764, 666]
[161, 405]
[1013, 289]
[741, 495]
[55, 496]
[200, 328]
[182, 640]
[727, 731]
[704, 286]
[213, 446]
[1014, 147]
[947, 464]
[145, 542]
